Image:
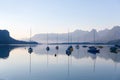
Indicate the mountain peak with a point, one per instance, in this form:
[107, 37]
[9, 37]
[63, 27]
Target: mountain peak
[93, 30]
[5, 38]
[116, 27]
[5, 32]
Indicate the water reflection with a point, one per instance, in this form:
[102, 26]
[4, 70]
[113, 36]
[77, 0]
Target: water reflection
[68, 53]
[30, 50]
[93, 56]
[115, 58]
[6, 49]
[60, 64]
[104, 52]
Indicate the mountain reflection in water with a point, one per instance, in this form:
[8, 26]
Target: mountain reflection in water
[56, 64]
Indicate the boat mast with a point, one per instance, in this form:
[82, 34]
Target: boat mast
[30, 65]
[30, 34]
[68, 67]
[47, 39]
[57, 39]
[68, 36]
[71, 37]
[94, 65]
[94, 36]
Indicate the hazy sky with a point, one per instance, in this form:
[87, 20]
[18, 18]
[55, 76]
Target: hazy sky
[53, 16]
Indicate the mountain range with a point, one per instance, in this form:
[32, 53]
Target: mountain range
[103, 36]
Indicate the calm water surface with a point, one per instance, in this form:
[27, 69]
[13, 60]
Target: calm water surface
[17, 64]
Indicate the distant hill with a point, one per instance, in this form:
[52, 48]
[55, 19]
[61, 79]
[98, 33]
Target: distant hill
[6, 39]
[81, 36]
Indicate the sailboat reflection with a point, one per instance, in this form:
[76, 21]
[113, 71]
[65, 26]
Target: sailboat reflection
[30, 50]
[68, 53]
[93, 56]
[115, 58]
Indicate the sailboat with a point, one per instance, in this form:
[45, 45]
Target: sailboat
[30, 50]
[57, 47]
[93, 49]
[47, 48]
[68, 72]
[94, 60]
[70, 48]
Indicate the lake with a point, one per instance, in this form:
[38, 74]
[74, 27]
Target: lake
[17, 64]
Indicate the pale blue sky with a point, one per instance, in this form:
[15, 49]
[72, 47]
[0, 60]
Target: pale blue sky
[54, 16]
